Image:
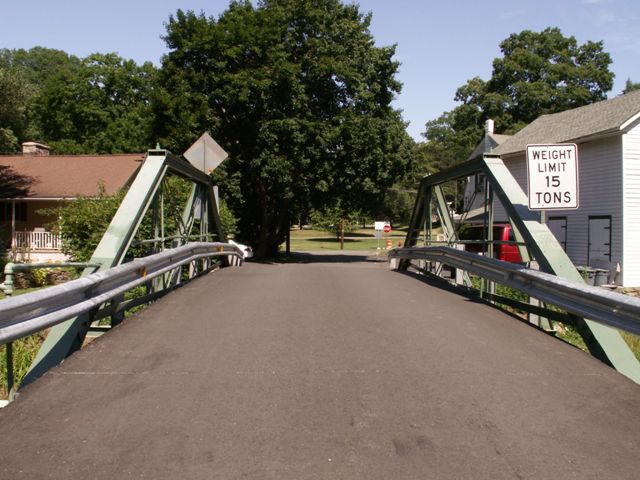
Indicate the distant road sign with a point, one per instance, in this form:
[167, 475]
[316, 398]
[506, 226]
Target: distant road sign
[386, 228]
[552, 176]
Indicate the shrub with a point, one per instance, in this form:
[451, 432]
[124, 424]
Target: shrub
[39, 276]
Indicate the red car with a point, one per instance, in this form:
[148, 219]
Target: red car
[474, 234]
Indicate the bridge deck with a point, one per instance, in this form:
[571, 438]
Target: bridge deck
[323, 370]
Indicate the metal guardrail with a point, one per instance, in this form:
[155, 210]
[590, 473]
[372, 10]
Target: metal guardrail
[32, 312]
[603, 306]
[10, 269]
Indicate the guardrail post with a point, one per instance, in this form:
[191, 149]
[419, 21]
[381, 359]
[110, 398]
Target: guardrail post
[9, 360]
[8, 279]
[117, 317]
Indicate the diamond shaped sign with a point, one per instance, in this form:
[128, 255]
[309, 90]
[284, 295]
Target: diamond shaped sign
[205, 154]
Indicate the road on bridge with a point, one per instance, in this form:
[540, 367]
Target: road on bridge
[332, 368]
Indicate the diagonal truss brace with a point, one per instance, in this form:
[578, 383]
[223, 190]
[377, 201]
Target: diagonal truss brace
[67, 337]
[604, 342]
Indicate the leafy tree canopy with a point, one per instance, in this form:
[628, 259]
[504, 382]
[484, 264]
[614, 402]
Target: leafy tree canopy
[38, 64]
[15, 95]
[101, 107]
[99, 104]
[539, 73]
[23, 74]
[335, 220]
[298, 94]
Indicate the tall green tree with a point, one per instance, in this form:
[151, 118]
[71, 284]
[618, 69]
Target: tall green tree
[539, 73]
[38, 64]
[298, 94]
[15, 97]
[23, 75]
[103, 106]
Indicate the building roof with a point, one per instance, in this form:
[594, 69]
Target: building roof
[69, 176]
[494, 139]
[579, 124]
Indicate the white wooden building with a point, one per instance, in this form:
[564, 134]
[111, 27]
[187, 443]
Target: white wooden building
[604, 232]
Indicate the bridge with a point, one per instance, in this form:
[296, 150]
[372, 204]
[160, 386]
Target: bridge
[330, 366]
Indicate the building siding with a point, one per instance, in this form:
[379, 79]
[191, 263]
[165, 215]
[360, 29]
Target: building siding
[631, 206]
[600, 186]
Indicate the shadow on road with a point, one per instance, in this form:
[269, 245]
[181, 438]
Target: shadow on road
[332, 257]
[469, 295]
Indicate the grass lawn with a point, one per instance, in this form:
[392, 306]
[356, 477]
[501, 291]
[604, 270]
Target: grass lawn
[307, 240]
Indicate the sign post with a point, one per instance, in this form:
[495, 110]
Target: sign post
[380, 227]
[552, 176]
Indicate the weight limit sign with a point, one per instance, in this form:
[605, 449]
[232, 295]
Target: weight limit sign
[552, 176]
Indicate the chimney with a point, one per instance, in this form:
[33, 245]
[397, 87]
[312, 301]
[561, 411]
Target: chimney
[489, 126]
[488, 130]
[33, 148]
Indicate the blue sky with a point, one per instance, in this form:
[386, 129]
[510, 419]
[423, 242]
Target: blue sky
[441, 44]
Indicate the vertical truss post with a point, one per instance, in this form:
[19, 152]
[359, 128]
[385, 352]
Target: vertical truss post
[428, 217]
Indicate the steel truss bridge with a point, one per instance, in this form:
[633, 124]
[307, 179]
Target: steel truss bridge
[333, 366]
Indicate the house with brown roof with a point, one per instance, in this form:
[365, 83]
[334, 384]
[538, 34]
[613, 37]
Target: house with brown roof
[604, 231]
[35, 180]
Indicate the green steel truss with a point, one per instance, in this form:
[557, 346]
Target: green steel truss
[604, 342]
[200, 221]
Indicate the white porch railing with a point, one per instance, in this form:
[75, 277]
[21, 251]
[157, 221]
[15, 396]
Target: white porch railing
[36, 241]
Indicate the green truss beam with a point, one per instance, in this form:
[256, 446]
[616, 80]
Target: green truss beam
[67, 337]
[604, 342]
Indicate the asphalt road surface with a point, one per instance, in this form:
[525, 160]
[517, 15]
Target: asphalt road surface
[324, 369]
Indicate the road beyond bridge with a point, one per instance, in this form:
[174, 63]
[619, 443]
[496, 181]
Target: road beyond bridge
[331, 368]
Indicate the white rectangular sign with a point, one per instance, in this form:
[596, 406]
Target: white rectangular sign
[552, 176]
[379, 226]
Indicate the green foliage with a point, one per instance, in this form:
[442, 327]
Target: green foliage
[8, 141]
[228, 220]
[539, 73]
[334, 218]
[542, 73]
[398, 204]
[100, 107]
[4, 257]
[82, 223]
[24, 352]
[23, 75]
[298, 94]
[15, 96]
[99, 104]
[39, 276]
